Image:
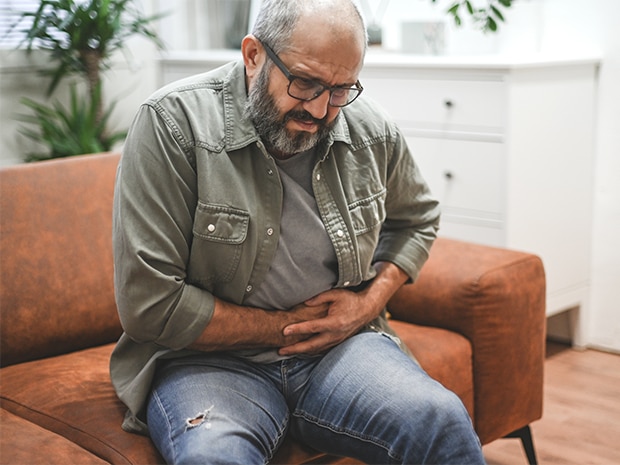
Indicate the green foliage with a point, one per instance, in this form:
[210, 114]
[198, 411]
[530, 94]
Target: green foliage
[69, 131]
[81, 37]
[487, 18]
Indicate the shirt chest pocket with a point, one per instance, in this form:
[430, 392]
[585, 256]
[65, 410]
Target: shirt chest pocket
[219, 236]
[367, 217]
[368, 214]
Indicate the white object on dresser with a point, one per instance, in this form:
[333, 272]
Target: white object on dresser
[506, 145]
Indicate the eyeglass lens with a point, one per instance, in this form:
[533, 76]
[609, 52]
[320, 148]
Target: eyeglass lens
[306, 89]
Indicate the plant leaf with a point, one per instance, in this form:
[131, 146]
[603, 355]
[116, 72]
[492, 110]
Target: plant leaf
[454, 9]
[470, 8]
[497, 13]
[491, 24]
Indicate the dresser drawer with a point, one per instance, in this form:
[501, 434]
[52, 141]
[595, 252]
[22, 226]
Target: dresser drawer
[472, 231]
[466, 176]
[440, 105]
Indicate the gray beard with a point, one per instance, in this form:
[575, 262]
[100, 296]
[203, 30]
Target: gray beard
[261, 109]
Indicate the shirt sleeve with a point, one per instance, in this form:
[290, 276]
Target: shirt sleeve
[154, 207]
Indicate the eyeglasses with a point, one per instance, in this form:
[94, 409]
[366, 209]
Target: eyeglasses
[308, 89]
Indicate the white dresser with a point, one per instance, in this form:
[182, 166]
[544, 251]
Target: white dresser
[506, 145]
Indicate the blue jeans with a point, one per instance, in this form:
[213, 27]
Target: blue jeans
[364, 399]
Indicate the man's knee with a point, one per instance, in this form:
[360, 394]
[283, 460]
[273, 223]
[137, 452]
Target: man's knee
[202, 446]
[445, 411]
[450, 406]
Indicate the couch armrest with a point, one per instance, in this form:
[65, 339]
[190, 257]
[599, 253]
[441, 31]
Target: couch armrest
[495, 298]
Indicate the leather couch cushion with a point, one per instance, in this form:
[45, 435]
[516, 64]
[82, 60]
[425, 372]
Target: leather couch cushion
[71, 395]
[56, 286]
[19, 438]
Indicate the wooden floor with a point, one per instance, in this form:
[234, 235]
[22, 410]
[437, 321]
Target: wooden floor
[581, 419]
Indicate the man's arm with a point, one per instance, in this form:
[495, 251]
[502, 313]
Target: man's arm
[233, 327]
[347, 312]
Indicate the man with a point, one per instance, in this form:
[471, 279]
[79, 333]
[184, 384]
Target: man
[264, 215]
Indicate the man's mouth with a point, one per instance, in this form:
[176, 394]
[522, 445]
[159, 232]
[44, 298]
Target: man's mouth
[306, 125]
[305, 121]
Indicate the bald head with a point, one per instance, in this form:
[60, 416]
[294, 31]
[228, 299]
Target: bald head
[280, 22]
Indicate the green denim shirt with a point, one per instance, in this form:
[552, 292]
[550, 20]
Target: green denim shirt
[197, 208]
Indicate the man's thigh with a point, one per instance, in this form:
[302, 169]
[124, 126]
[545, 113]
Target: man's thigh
[216, 409]
[369, 400]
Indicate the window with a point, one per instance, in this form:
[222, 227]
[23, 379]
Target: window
[10, 11]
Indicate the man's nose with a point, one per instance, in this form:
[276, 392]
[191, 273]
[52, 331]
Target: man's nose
[318, 107]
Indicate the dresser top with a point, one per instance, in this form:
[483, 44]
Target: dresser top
[382, 58]
[489, 62]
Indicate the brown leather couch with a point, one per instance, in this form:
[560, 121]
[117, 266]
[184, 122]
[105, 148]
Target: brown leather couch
[475, 320]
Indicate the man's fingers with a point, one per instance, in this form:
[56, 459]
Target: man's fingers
[306, 327]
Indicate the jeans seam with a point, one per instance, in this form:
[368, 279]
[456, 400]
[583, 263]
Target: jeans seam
[169, 425]
[277, 443]
[351, 433]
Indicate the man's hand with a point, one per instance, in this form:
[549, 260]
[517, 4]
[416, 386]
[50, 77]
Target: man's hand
[347, 312]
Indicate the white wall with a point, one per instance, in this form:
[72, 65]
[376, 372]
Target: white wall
[18, 78]
[534, 26]
[521, 33]
[583, 25]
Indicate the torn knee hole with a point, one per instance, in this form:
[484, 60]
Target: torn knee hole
[200, 419]
[196, 421]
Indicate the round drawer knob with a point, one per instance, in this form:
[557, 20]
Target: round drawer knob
[448, 175]
[448, 103]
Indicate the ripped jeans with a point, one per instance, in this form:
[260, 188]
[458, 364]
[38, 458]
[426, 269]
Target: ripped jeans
[364, 399]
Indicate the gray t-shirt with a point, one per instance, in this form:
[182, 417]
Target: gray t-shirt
[305, 262]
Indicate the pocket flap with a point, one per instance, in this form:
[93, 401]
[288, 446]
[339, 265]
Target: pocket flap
[367, 214]
[221, 224]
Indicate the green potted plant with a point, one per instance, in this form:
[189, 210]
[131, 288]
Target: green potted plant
[487, 18]
[80, 36]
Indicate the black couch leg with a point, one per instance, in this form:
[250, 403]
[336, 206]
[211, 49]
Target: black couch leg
[525, 434]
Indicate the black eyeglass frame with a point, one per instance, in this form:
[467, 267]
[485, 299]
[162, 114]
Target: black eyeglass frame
[357, 87]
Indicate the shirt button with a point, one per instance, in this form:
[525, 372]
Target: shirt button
[270, 172]
[340, 233]
[248, 289]
[270, 231]
[211, 228]
[318, 177]
[346, 283]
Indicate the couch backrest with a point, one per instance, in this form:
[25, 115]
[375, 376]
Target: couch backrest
[56, 271]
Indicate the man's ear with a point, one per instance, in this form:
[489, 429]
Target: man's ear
[253, 56]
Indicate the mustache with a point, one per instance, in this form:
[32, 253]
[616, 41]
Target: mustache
[304, 116]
